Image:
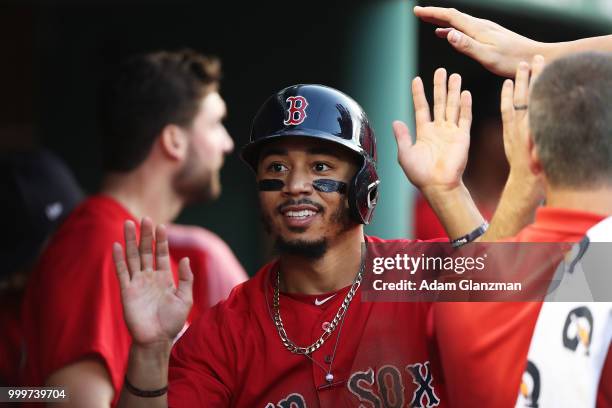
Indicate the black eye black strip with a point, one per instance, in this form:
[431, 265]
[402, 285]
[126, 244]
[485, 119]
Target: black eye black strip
[329, 186]
[270, 185]
[322, 185]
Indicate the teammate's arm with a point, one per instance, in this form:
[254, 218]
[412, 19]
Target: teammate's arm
[435, 162]
[87, 383]
[155, 310]
[498, 49]
[524, 189]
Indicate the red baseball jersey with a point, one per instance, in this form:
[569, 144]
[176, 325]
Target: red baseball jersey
[233, 355]
[483, 346]
[72, 308]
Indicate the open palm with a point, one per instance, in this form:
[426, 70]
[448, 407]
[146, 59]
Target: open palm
[439, 155]
[155, 309]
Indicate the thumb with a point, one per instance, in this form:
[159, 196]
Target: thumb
[185, 283]
[465, 44]
[402, 137]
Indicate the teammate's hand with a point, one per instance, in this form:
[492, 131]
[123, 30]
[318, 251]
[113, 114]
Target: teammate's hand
[155, 310]
[438, 157]
[498, 49]
[516, 123]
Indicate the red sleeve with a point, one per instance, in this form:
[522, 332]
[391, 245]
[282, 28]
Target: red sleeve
[483, 347]
[80, 313]
[72, 309]
[201, 364]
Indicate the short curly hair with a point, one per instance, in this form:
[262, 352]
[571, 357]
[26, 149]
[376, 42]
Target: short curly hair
[146, 93]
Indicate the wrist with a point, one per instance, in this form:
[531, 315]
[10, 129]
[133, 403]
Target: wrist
[444, 192]
[549, 51]
[455, 209]
[150, 350]
[148, 365]
[525, 187]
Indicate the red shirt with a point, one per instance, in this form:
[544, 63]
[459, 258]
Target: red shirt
[72, 308]
[215, 267]
[233, 355]
[484, 346]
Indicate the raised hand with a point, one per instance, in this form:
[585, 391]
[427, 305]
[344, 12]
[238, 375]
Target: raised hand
[438, 157]
[515, 117]
[524, 190]
[498, 49]
[155, 309]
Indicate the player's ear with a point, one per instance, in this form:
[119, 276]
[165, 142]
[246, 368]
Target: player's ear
[174, 142]
[534, 158]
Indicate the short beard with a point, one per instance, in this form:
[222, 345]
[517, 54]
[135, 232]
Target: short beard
[193, 187]
[309, 249]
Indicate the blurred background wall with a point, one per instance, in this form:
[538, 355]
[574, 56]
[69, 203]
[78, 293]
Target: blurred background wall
[52, 54]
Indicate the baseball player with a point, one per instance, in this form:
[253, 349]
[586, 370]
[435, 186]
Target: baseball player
[297, 334]
[39, 192]
[564, 140]
[164, 143]
[563, 126]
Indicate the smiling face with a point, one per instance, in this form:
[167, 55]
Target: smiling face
[302, 219]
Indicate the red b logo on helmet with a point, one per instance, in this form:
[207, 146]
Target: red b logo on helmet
[297, 110]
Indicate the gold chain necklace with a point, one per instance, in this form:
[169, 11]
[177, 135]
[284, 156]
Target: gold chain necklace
[278, 322]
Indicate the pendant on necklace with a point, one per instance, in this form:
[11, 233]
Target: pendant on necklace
[329, 377]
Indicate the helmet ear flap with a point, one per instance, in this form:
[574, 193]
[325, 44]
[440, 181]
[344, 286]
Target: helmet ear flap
[363, 193]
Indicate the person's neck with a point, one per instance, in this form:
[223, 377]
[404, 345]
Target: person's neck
[144, 192]
[335, 270]
[597, 200]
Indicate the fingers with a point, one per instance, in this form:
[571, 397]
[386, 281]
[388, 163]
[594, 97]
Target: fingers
[465, 115]
[467, 45]
[507, 102]
[537, 65]
[443, 32]
[120, 266]
[402, 137]
[161, 248]
[421, 107]
[146, 244]
[442, 16]
[131, 247]
[185, 283]
[449, 103]
[521, 87]
[439, 85]
[453, 98]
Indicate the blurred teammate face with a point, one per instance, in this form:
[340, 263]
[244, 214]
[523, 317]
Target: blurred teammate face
[199, 178]
[301, 219]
